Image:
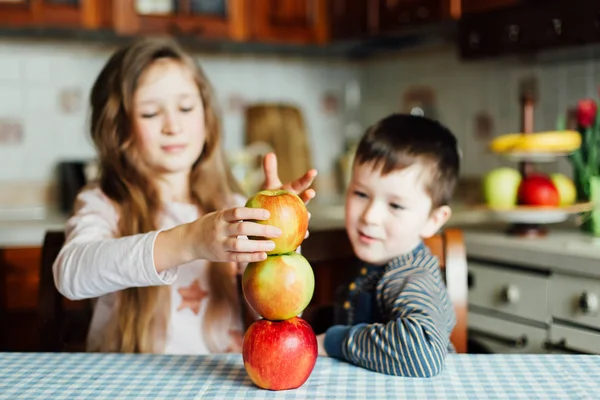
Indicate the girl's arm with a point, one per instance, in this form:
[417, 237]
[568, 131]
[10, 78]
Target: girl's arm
[94, 261]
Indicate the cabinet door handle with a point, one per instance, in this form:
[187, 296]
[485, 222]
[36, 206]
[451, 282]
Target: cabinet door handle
[470, 280]
[561, 345]
[513, 32]
[557, 25]
[588, 303]
[517, 343]
[511, 294]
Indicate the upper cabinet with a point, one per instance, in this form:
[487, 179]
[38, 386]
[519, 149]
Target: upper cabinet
[396, 15]
[529, 26]
[211, 19]
[348, 19]
[299, 22]
[88, 14]
[474, 6]
[290, 21]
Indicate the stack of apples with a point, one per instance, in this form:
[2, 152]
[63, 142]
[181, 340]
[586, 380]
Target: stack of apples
[505, 188]
[280, 349]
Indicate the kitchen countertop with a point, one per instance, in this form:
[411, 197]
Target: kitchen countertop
[331, 216]
[483, 236]
[26, 231]
[564, 249]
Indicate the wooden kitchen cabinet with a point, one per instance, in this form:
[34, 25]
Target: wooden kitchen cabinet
[289, 21]
[221, 20]
[396, 15]
[19, 277]
[528, 28]
[348, 19]
[474, 6]
[86, 14]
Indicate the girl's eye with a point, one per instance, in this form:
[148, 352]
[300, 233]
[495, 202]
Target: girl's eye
[360, 194]
[396, 206]
[186, 109]
[149, 115]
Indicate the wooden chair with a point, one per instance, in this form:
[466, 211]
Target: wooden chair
[330, 251]
[63, 323]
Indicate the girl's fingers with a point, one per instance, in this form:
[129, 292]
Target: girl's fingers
[246, 228]
[242, 245]
[245, 213]
[247, 257]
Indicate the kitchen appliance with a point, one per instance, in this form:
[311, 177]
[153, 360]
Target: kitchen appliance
[72, 177]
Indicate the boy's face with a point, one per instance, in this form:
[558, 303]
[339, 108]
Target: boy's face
[387, 216]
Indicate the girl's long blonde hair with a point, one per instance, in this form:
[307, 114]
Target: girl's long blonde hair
[141, 322]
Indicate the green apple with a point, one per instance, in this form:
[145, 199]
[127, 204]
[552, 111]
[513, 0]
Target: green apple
[500, 187]
[279, 287]
[566, 189]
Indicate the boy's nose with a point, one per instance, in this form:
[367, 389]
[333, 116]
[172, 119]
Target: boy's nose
[371, 214]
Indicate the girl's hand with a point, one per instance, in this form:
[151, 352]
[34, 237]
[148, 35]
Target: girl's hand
[300, 186]
[222, 235]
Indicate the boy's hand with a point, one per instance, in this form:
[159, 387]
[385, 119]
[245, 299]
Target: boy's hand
[321, 345]
[300, 186]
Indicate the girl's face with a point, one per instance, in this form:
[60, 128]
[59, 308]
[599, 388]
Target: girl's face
[168, 119]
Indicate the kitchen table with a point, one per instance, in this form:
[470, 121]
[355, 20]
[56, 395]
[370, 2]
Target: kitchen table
[129, 376]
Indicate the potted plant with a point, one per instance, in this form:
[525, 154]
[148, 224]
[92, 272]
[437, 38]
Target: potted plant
[586, 163]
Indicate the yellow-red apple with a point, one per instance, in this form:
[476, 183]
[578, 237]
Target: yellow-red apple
[279, 287]
[288, 213]
[279, 355]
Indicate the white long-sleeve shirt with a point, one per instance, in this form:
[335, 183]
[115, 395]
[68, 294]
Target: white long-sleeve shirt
[96, 263]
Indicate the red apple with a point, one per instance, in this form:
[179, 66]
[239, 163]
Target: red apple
[279, 287]
[538, 190]
[288, 213]
[279, 355]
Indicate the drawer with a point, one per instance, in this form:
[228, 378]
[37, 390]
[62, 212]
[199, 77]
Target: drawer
[502, 336]
[566, 339]
[575, 299]
[514, 292]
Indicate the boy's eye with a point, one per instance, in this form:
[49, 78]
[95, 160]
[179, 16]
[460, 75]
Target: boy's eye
[396, 206]
[360, 194]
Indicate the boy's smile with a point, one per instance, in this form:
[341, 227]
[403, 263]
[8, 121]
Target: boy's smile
[387, 216]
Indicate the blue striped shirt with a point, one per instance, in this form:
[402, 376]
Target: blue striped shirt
[398, 318]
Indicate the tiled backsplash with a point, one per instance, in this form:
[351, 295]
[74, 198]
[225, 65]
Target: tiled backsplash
[464, 91]
[44, 89]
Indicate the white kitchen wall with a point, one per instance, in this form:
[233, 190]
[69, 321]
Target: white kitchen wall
[36, 76]
[465, 89]
[37, 130]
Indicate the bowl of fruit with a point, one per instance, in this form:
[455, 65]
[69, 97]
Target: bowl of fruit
[536, 198]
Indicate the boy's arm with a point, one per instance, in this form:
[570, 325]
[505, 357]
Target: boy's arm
[413, 344]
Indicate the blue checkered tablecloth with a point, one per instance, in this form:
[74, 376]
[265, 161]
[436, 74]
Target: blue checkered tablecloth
[128, 376]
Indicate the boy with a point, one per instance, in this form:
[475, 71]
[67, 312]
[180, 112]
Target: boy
[397, 317]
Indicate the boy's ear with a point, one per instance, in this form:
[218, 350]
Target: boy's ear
[437, 219]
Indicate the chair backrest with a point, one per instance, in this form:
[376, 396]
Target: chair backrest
[449, 247]
[63, 323]
[329, 251]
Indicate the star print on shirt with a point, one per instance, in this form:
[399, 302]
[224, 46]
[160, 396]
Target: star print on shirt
[191, 297]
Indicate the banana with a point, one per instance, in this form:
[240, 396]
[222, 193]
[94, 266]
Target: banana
[552, 141]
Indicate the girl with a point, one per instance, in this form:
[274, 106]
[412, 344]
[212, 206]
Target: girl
[159, 240]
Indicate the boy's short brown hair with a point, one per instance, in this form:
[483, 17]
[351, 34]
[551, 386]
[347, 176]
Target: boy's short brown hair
[399, 141]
